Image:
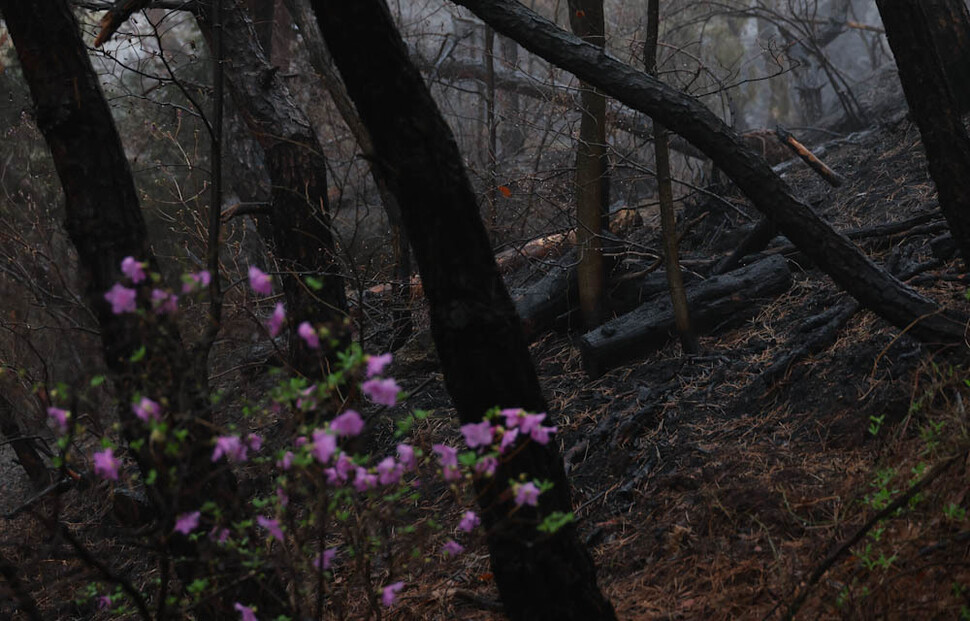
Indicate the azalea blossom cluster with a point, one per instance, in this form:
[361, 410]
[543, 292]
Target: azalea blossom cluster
[124, 299]
[123, 296]
[320, 458]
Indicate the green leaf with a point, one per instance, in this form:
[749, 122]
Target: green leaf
[97, 380]
[468, 459]
[556, 520]
[314, 283]
[139, 354]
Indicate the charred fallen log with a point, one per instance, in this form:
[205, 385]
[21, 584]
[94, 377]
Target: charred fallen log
[556, 294]
[715, 302]
[550, 297]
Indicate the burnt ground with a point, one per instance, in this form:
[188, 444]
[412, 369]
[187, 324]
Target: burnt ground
[705, 492]
[702, 490]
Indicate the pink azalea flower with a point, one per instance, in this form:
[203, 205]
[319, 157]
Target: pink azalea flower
[468, 522]
[452, 548]
[230, 446]
[308, 334]
[323, 560]
[477, 434]
[382, 391]
[324, 445]
[389, 593]
[106, 465]
[405, 455]
[245, 613]
[164, 302]
[187, 522]
[341, 470]
[272, 525]
[104, 602]
[486, 466]
[388, 471]
[133, 269]
[508, 439]
[376, 364]
[59, 417]
[344, 466]
[282, 497]
[146, 410]
[541, 434]
[254, 441]
[121, 298]
[332, 477]
[530, 421]
[526, 494]
[286, 462]
[275, 322]
[219, 535]
[447, 456]
[196, 281]
[512, 416]
[260, 281]
[347, 424]
[364, 480]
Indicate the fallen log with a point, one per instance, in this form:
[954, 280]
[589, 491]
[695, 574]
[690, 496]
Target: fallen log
[542, 305]
[717, 301]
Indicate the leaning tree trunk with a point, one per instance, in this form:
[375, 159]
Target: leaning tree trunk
[105, 224]
[302, 236]
[592, 199]
[916, 32]
[477, 333]
[875, 288]
[401, 321]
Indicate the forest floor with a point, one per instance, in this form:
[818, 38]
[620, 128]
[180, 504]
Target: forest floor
[704, 492]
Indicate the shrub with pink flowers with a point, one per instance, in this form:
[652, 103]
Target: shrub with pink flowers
[334, 523]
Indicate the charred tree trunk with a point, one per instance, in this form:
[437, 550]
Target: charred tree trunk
[476, 331]
[490, 124]
[302, 238]
[950, 32]
[263, 13]
[875, 288]
[402, 323]
[586, 19]
[917, 32]
[24, 447]
[105, 224]
[513, 136]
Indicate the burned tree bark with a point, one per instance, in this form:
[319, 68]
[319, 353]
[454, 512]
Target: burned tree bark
[105, 224]
[300, 210]
[24, 447]
[914, 30]
[476, 331]
[302, 238]
[875, 288]
[320, 60]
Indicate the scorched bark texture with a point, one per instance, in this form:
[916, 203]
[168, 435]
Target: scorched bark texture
[477, 334]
